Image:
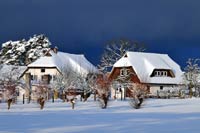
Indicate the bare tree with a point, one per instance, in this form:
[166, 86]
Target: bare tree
[192, 76]
[71, 94]
[91, 80]
[64, 80]
[8, 84]
[115, 50]
[41, 94]
[71, 84]
[103, 89]
[137, 93]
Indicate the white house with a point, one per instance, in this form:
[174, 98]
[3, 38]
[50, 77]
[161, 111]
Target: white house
[46, 68]
[157, 71]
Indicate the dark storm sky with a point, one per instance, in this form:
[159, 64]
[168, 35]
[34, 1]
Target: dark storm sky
[85, 26]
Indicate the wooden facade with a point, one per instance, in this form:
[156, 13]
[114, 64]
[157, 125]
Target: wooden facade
[122, 92]
[116, 73]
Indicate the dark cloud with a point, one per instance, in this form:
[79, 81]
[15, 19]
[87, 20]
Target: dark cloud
[84, 26]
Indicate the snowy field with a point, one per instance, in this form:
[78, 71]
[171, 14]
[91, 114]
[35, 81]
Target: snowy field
[157, 115]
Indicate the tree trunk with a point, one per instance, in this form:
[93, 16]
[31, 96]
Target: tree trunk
[29, 98]
[53, 99]
[42, 100]
[63, 97]
[9, 103]
[190, 92]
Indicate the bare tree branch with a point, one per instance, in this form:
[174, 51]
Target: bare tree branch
[115, 50]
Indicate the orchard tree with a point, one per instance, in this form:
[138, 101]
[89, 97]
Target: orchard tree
[115, 50]
[41, 93]
[137, 93]
[8, 83]
[91, 80]
[72, 83]
[192, 76]
[66, 79]
[103, 85]
[71, 94]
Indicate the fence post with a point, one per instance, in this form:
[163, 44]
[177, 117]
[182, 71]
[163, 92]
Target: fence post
[95, 95]
[53, 98]
[23, 98]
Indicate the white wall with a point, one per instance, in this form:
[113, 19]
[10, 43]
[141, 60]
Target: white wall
[155, 88]
[37, 71]
[117, 93]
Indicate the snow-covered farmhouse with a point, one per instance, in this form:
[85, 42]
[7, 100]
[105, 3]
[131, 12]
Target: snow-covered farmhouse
[157, 71]
[46, 68]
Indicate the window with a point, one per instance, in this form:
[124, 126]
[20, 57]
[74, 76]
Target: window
[54, 77]
[43, 70]
[119, 89]
[161, 87]
[157, 73]
[17, 92]
[124, 72]
[31, 77]
[160, 73]
[34, 77]
[165, 73]
[44, 77]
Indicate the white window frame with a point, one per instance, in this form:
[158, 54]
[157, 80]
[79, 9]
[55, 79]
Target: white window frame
[165, 73]
[161, 73]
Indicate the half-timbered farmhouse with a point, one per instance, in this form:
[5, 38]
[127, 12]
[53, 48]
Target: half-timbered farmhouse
[157, 71]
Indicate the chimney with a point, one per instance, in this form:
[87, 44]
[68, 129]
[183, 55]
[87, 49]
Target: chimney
[55, 49]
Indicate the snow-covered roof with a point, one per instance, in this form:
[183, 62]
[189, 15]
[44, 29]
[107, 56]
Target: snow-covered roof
[145, 63]
[61, 60]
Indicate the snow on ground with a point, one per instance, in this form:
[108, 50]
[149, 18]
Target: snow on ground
[157, 115]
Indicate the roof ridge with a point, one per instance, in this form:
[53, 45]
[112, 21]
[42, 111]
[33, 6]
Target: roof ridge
[146, 53]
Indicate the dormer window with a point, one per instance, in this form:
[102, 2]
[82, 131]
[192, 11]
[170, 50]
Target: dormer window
[160, 73]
